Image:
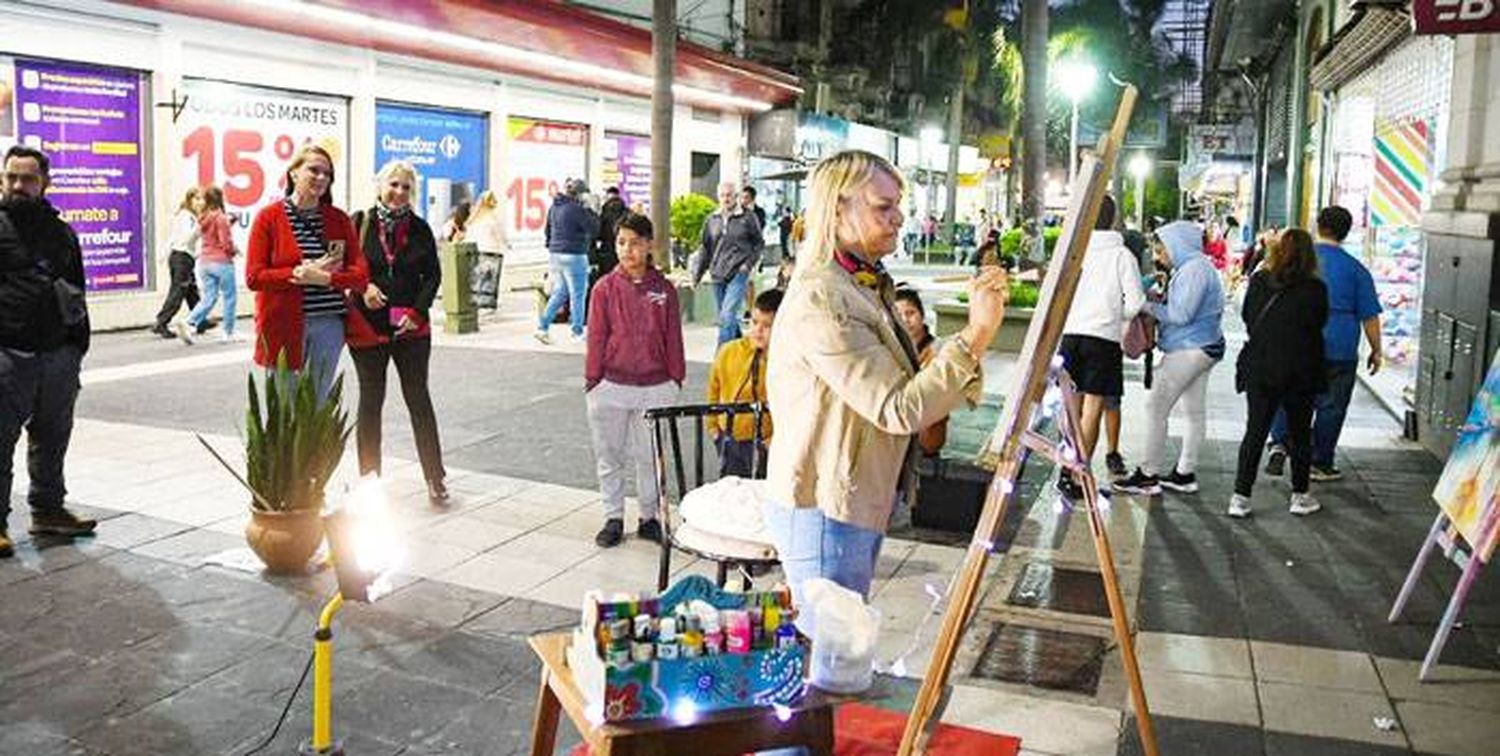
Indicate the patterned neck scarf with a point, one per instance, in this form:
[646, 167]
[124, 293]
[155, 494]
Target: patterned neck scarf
[865, 274]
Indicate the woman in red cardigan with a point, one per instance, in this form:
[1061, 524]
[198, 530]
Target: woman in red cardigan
[301, 263]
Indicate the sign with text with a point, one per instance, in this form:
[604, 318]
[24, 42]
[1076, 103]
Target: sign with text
[627, 164]
[1455, 16]
[447, 147]
[242, 138]
[88, 121]
[543, 156]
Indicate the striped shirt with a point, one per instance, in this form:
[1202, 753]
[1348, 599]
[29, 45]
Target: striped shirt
[307, 226]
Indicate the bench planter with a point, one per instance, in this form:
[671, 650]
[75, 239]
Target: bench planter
[953, 315]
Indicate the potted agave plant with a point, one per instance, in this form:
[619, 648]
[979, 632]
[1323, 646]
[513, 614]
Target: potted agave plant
[293, 443]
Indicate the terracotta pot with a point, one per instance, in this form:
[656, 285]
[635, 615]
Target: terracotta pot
[285, 541]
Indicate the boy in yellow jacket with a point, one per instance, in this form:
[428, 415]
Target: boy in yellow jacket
[739, 375]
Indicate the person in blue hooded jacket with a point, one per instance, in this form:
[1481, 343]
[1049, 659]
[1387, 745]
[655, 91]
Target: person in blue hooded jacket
[1191, 336]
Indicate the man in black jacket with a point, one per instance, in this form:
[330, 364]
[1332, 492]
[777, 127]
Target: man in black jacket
[729, 252]
[604, 259]
[44, 331]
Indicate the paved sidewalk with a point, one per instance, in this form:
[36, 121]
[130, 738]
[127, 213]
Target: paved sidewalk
[131, 644]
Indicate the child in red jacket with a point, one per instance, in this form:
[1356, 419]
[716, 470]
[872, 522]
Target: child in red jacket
[634, 363]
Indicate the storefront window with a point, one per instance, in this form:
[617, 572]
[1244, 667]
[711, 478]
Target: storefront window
[447, 147]
[88, 121]
[543, 156]
[241, 138]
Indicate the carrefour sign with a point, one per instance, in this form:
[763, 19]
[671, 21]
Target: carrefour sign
[1455, 16]
[448, 148]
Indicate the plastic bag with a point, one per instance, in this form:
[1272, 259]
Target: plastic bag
[844, 632]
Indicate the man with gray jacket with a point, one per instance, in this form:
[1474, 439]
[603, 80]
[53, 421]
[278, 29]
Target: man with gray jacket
[729, 253]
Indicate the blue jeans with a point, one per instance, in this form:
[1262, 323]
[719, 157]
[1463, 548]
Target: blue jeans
[729, 296]
[570, 283]
[217, 279]
[1329, 409]
[322, 345]
[811, 545]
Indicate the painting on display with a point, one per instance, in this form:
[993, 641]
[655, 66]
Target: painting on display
[1469, 489]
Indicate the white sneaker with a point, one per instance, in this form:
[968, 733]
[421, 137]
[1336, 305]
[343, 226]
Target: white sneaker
[1239, 506]
[578, 338]
[542, 336]
[1304, 504]
[185, 332]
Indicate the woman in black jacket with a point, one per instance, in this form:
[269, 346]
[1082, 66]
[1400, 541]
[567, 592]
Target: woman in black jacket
[1281, 367]
[389, 323]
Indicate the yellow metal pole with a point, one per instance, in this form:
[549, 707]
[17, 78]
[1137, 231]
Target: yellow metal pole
[322, 739]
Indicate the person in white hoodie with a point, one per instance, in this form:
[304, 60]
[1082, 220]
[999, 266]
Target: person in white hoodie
[1109, 295]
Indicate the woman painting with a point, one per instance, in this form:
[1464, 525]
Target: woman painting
[1282, 364]
[389, 322]
[846, 381]
[300, 267]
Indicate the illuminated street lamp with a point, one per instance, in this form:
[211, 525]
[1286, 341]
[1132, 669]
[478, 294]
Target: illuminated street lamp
[1077, 79]
[365, 549]
[1140, 168]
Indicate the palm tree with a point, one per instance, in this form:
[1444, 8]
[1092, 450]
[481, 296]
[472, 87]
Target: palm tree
[1033, 109]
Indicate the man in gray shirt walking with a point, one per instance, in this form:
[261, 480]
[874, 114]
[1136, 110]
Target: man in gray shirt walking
[729, 252]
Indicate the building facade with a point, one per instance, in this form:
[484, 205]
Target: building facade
[139, 101]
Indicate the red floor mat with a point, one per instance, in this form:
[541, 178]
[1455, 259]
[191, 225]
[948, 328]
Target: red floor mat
[869, 731]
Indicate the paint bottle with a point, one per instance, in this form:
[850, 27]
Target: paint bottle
[642, 651]
[713, 635]
[773, 621]
[618, 655]
[758, 638]
[786, 636]
[737, 635]
[644, 631]
[667, 644]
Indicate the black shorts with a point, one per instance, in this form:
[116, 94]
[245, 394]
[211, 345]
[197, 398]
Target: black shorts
[1096, 365]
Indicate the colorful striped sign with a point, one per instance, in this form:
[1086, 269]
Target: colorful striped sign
[1403, 167]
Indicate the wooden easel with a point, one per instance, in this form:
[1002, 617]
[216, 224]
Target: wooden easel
[1014, 437]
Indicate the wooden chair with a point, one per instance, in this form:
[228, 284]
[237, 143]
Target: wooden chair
[679, 534]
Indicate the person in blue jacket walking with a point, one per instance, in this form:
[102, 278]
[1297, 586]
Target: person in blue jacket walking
[1191, 336]
[571, 228]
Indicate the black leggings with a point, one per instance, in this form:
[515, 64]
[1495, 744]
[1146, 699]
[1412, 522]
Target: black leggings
[183, 287]
[1263, 405]
[411, 357]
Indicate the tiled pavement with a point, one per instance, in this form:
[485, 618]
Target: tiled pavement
[1264, 637]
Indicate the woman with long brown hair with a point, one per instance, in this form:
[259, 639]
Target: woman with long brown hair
[301, 266]
[1281, 367]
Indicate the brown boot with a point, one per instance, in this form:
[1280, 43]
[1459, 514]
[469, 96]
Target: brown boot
[7, 549]
[61, 522]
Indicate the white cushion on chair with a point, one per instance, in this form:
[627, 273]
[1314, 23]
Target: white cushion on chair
[692, 537]
[727, 509]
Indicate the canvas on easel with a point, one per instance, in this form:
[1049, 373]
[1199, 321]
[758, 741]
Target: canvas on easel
[1467, 526]
[1014, 438]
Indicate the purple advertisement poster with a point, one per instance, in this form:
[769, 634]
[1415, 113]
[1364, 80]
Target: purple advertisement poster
[88, 121]
[627, 164]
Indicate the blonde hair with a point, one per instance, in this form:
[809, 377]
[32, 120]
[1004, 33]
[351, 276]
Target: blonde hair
[834, 180]
[394, 167]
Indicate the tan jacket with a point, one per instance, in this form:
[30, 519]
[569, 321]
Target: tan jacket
[848, 398]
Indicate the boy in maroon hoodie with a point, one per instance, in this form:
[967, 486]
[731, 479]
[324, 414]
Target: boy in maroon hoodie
[634, 362]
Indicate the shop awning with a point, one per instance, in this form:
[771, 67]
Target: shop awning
[794, 174]
[1356, 47]
[536, 38]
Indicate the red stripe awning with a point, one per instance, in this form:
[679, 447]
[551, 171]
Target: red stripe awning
[545, 27]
